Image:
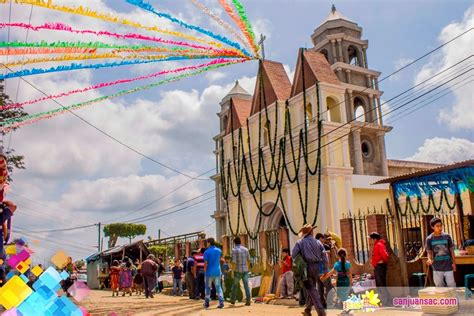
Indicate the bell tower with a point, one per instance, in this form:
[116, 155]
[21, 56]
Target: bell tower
[340, 40]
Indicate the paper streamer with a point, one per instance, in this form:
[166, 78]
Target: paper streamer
[211, 52]
[10, 124]
[241, 10]
[148, 7]
[219, 21]
[67, 28]
[111, 83]
[82, 57]
[240, 23]
[110, 18]
[56, 50]
[74, 66]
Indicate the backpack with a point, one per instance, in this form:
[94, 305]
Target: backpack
[300, 271]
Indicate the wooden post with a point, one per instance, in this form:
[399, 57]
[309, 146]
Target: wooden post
[141, 254]
[400, 242]
[460, 213]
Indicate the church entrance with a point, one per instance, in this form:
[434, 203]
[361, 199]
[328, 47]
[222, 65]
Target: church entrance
[277, 235]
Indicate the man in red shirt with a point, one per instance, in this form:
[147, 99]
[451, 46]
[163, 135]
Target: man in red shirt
[379, 262]
[287, 281]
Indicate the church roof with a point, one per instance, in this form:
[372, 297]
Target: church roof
[335, 15]
[316, 68]
[275, 83]
[237, 92]
[239, 111]
[237, 89]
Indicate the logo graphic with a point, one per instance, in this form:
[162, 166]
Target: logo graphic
[365, 303]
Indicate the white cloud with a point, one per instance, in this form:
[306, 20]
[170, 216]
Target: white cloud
[459, 115]
[444, 150]
[215, 76]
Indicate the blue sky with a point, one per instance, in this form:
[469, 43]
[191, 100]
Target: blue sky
[76, 176]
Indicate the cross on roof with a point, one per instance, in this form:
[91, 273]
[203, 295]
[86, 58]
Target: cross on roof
[261, 44]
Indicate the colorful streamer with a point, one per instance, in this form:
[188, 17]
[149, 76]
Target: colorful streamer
[111, 83]
[212, 52]
[148, 7]
[240, 23]
[74, 66]
[109, 18]
[44, 51]
[67, 28]
[11, 124]
[243, 16]
[219, 21]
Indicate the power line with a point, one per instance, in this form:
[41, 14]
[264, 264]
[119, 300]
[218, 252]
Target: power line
[158, 199]
[103, 132]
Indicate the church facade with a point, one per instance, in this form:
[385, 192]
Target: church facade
[307, 150]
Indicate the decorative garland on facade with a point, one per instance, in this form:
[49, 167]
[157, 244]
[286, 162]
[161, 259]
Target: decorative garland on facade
[261, 180]
[426, 209]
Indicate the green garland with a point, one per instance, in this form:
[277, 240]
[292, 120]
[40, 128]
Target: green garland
[260, 181]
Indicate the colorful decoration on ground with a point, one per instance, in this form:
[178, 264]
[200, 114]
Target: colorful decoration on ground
[31, 291]
[113, 49]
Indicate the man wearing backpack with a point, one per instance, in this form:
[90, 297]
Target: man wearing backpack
[313, 253]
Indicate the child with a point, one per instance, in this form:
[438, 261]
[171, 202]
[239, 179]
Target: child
[177, 275]
[114, 277]
[287, 283]
[138, 282]
[344, 276]
[126, 278]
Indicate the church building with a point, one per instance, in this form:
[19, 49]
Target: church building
[306, 150]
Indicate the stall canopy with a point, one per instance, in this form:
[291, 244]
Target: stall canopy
[135, 250]
[457, 177]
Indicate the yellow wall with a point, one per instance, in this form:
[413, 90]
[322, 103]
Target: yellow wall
[363, 198]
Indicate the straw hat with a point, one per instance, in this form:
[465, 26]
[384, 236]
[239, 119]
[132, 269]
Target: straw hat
[306, 230]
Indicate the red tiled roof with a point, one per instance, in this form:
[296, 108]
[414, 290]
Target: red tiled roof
[320, 67]
[239, 111]
[316, 68]
[276, 85]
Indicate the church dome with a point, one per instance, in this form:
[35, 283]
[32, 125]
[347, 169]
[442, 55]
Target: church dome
[335, 15]
[237, 92]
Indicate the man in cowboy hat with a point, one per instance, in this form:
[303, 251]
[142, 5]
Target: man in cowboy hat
[313, 253]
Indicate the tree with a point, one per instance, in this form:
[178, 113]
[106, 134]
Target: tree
[125, 230]
[13, 161]
[161, 250]
[79, 264]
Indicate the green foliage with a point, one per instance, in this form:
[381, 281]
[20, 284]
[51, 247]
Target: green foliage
[13, 161]
[161, 250]
[252, 253]
[219, 245]
[125, 230]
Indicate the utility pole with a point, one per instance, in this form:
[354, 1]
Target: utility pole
[99, 248]
[159, 234]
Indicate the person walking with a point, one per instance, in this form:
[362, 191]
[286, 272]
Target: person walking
[440, 248]
[344, 276]
[177, 271]
[126, 279]
[380, 262]
[114, 275]
[313, 253]
[138, 282]
[189, 277]
[149, 269]
[198, 273]
[324, 285]
[212, 268]
[287, 281]
[161, 270]
[240, 260]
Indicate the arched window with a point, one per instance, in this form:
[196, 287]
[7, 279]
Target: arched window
[308, 114]
[353, 54]
[325, 53]
[266, 133]
[359, 107]
[334, 112]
